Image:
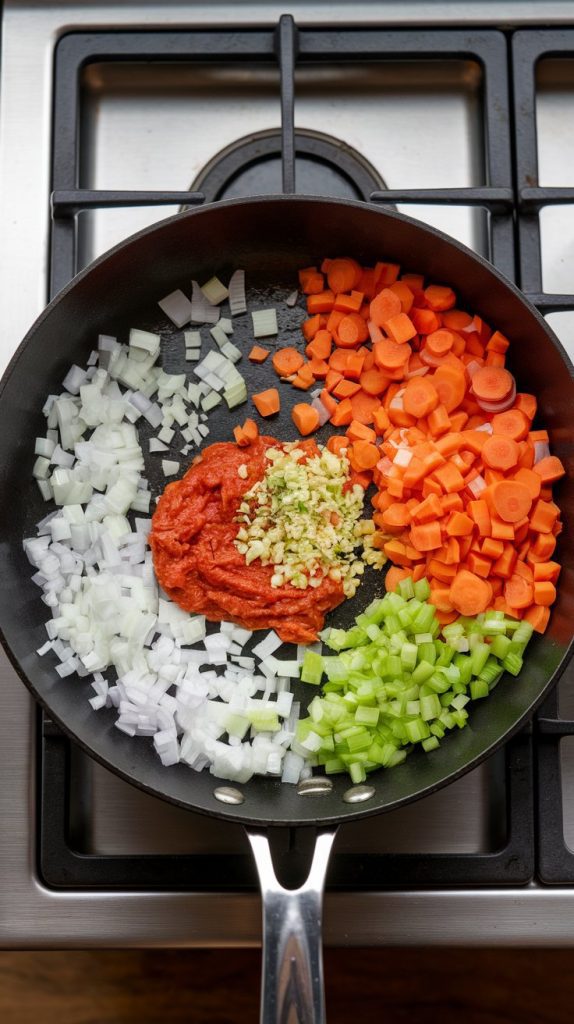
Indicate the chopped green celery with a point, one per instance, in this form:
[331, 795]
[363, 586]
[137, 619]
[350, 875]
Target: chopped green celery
[424, 619]
[437, 729]
[478, 689]
[464, 666]
[367, 716]
[357, 772]
[446, 655]
[459, 701]
[393, 667]
[439, 683]
[334, 669]
[430, 744]
[327, 745]
[523, 632]
[493, 627]
[315, 709]
[264, 720]
[430, 707]
[460, 718]
[334, 766]
[413, 707]
[392, 625]
[397, 758]
[423, 638]
[500, 646]
[422, 589]
[427, 652]
[406, 588]
[312, 668]
[447, 719]
[360, 741]
[459, 687]
[396, 641]
[417, 730]
[374, 612]
[423, 671]
[372, 630]
[512, 663]
[350, 700]
[491, 671]
[479, 658]
[452, 631]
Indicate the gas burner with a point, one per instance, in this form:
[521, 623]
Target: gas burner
[251, 166]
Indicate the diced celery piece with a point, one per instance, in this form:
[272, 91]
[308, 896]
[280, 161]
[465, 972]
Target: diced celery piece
[417, 730]
[312, 668]
[427, 652]
[430, 707]
[479, 658]
[408, 656]
[366, 715]
[406, 588]
[422, 589]
[423, 671]
[430, 744]
[478, 689]
[512, 663]
[357, 772]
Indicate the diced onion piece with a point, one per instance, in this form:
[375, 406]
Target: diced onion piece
[202, 311]
[264, 322]
[322, 411]
[144, 340]
[403, 457]
[215, 291]
[177, 307]
[291, 299]
[541, 451]
[477, 486]
[237, 303]
[169, 467]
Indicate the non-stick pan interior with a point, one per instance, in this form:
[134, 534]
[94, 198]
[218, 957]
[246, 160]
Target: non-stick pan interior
[271, 239]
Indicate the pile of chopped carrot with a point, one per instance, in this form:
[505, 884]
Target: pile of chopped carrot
[432, 417]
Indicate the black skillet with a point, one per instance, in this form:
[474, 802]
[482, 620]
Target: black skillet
[270, 238]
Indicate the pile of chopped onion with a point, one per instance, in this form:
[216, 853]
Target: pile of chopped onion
[196, 690]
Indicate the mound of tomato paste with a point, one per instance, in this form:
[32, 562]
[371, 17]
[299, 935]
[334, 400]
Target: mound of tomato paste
[198, 565]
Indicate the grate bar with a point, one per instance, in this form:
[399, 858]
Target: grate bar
[497, 200]
[286, 46]
[69, 202]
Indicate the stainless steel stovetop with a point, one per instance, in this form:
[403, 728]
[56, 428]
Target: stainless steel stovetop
[155, 126]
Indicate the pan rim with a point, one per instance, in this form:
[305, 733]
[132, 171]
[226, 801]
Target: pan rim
[220, 811]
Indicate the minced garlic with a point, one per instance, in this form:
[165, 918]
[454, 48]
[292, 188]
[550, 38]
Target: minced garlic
[300, 519]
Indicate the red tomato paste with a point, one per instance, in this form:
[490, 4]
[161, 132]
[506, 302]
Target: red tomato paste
[198, 565]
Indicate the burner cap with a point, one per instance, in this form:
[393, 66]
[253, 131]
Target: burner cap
[325, 166]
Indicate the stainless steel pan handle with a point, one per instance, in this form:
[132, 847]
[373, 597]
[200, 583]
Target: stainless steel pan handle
[292, 988]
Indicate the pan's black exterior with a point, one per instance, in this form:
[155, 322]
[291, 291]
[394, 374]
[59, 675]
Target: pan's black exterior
[271, 238]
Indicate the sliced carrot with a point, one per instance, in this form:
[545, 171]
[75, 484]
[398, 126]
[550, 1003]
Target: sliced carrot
[240, 438]
[386, 274]
[258, 354]
[519, 593]
[404, 293]
[354, 367]
[427, 510]
[456, 319]
[319, 368]
[357, 431]
[469, 594]
[479, 564]
[538, 617]
[492, 548]
[439, 297]
[400, 328]
[426, 536]
[420, 397]
[350, 303]
[305, 417]
[501, 530]
[425, 320]
[267, 402]
[313, 284]
[546, 571]
[333, 321]
[544, 516]
[374, 381]
[332, 379]
[449, 477]
[384, 306]
[323, 302]
[365, 455]
[500, 452]
[352, 331]
[250, 430]
[321, 346]
[438, 421]
[504, 566]
[337, 443]
[498, 343]
[451, 386]
[492, 383]
[542, 549]
[527, 404]
[381, 420]
[511, 499]
[343, 414]
[364, 406]
[513, 423]
[302, 383]
[346, 388]
[448, 444]
[390, 356]
[367, 282]
[328, 401]
[343, 275]
[311, 326]
[544, 593]
[459, 525]
[287, 361]
[438, 343]
[549, 469]
[478, 510]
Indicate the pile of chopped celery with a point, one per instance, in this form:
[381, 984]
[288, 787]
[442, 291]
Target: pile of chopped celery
[392, 683]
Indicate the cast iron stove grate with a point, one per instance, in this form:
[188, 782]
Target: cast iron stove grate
[61, 864]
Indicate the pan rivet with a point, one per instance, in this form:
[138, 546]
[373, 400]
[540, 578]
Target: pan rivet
[314, 787]
[357, 794]
[228, 795]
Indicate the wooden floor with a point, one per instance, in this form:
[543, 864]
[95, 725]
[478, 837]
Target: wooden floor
[417, 986]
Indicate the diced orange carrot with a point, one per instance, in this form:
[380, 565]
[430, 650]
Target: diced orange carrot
[267, 402]
[305, 417]
[350, 303]
[549, 469]
[258, 354]
[343, 275]
[425, 536]
[538, 617]
[364, 406]
[400, 328]
[544, 593]
[439, 297]
[323, 302]
[337, 443]
[469, 594]
[343, 414]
